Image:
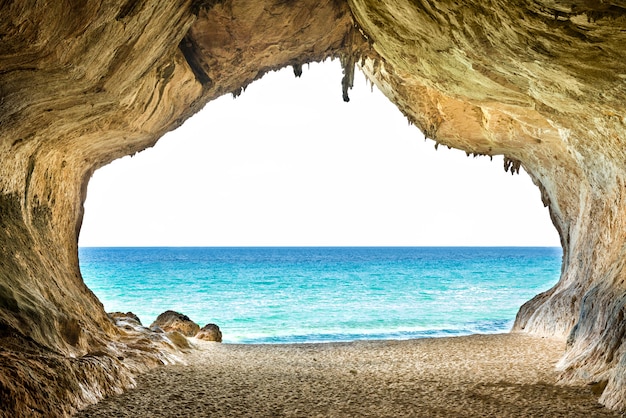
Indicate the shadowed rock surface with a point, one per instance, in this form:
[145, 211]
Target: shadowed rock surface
[85, 82]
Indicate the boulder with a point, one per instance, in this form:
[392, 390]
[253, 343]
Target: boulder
[210, 332]
[174, 321]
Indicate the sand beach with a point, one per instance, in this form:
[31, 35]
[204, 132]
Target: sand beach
[504, 375]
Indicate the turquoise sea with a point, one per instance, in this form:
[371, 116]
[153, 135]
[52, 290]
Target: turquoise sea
[311, 294]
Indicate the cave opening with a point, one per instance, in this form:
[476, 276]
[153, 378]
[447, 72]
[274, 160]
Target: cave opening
[289, 164]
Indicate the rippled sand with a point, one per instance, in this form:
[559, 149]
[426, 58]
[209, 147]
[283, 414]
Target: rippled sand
[507, 375]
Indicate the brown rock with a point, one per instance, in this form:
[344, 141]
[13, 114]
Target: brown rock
[178, 340]
[170, 321]
[210, 332]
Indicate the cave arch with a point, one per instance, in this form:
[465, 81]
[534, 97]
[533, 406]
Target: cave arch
[385, 187]
[541, 83]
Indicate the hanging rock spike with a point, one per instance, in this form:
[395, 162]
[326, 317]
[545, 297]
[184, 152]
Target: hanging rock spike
[297, 70]
[347, 82]
[511, 165]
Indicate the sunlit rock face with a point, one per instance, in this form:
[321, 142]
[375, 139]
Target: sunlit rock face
[85, 82]
[545, 85]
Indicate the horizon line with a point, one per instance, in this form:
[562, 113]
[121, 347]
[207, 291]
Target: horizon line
[320, 246]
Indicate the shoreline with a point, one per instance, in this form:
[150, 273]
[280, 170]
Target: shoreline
[479, 375]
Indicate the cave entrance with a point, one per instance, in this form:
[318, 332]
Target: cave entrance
[289, 164]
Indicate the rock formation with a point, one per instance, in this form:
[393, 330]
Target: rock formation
[210, 332]
[83, 82]
[174, 321]
[127, 317]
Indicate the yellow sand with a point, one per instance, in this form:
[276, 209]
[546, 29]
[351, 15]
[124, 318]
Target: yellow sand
[507, 375]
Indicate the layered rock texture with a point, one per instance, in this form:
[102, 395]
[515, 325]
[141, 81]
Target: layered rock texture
[83, 82]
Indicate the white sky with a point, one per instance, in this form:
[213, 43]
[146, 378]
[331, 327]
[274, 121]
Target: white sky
[289, 163]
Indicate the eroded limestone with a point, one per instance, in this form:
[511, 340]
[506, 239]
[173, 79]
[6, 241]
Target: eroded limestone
[83, 83]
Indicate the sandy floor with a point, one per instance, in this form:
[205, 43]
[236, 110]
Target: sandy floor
[505, 375]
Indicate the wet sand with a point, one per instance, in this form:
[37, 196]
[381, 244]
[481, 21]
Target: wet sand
[506, 375]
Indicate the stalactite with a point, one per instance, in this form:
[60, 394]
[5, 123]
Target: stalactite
[297, 70]
[347, 82]
[511, 165]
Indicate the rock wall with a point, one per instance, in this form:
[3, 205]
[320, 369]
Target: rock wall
[543, 83]
[83, 82]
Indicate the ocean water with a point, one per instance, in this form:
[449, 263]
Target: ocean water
[308, 294]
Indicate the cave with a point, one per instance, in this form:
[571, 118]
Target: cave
[83, 83]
